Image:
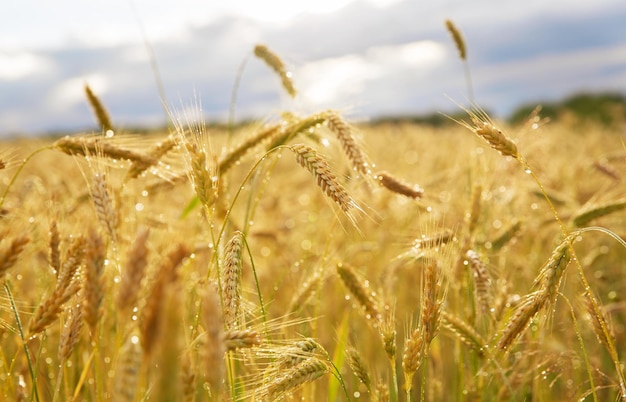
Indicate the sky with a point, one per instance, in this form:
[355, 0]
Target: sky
[366, 58]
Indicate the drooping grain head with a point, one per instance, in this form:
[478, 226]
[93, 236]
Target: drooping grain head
[482, 126]
[276, 64]
[350, 146]
[520, 320]
[304, 372]
[9, 255]
[308, 158]
[398, 186]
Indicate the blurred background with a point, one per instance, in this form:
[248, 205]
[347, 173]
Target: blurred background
[367, 58]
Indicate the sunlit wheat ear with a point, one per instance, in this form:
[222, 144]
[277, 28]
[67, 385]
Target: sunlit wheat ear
[151, 318]
[519, 321]
[70, 334]
[551, 272]
[482, 126]
[106, 210]
[213, 346]
[418, 343]
[601, 325]
[276, 64]
[155, 153]
[294, 354]
[594, 211]
[358, 366]
[387, 329]
[93, 282]
[381, 394]
[244, 339]
[308, 158]
[128, 369]
[482, 282]
[306, 371]
[231, 280]
[360, 290]
[9, 254]
[464, 332]
[133, 272]
[98, 145]
[67, 285]
[346, 137]
[54, 242]
[98, 109]
[457, 38]
[398, 186]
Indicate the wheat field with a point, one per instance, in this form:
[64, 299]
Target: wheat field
[313, 258]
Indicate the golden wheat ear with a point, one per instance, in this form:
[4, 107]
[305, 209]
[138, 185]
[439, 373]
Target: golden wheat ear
[99, 110]
[276, 64]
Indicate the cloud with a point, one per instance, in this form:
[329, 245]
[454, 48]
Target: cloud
[374, 58]
[16, 65]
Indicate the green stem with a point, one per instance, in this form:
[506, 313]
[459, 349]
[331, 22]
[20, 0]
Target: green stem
[19, 170]
[7, 288]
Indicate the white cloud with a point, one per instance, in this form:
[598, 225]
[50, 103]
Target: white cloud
[18, 65]
[72, 91]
